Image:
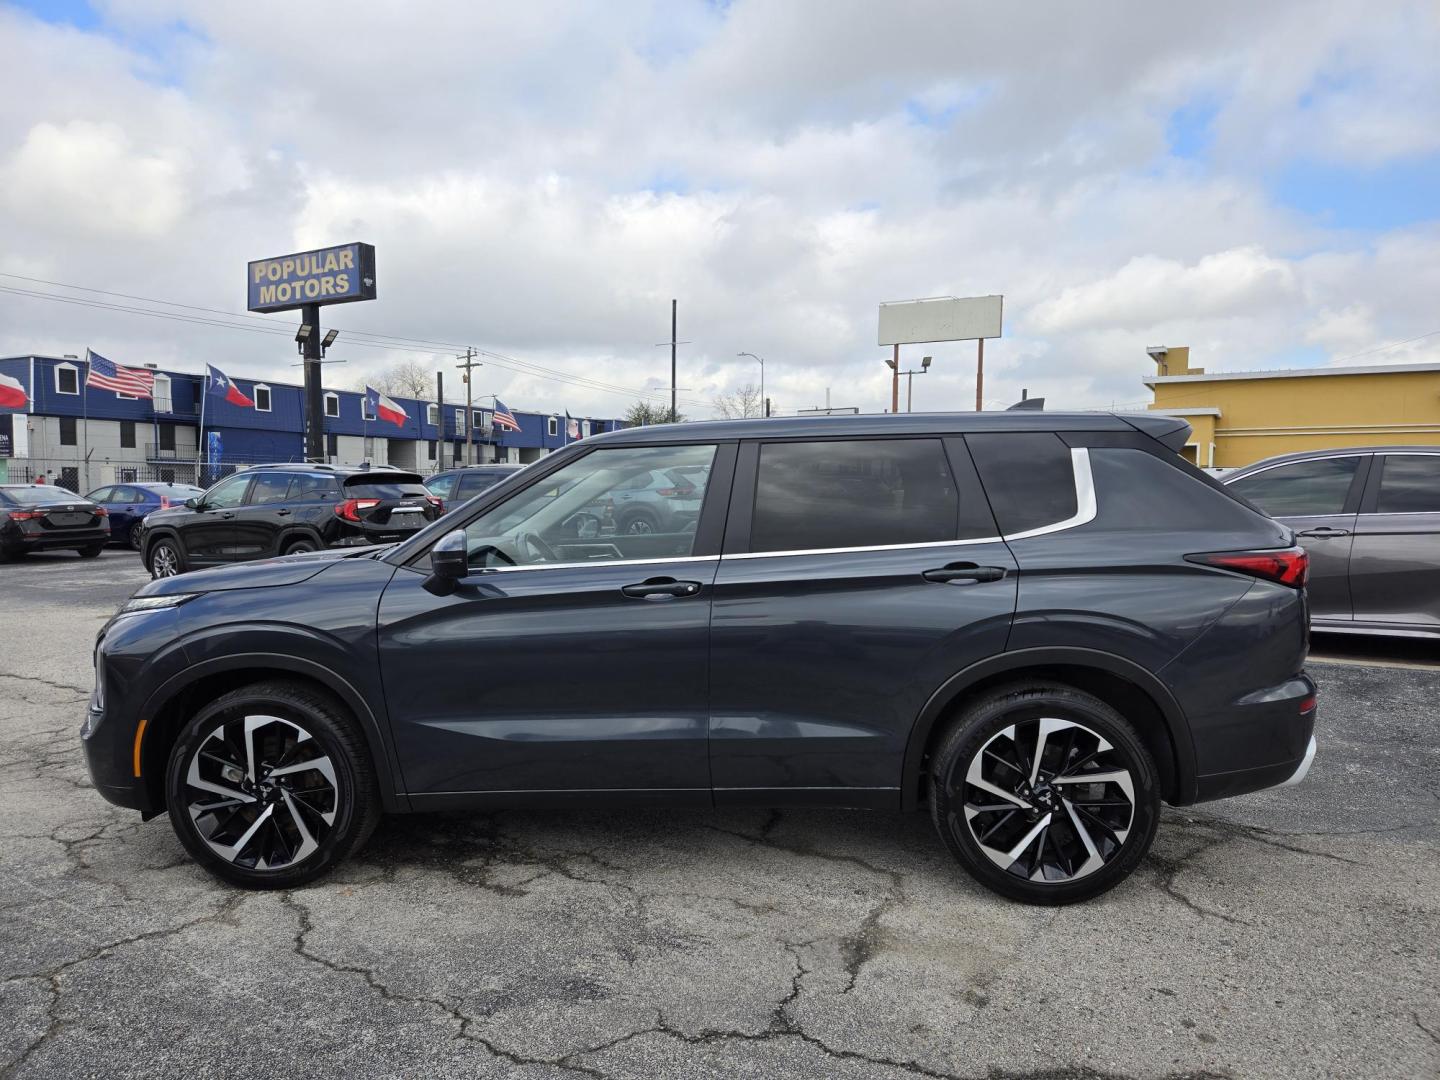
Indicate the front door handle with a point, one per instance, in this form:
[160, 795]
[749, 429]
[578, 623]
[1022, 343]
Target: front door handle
[1324, 532]
[281, 513]
[661, 588]
[228, 514]
[964, 574]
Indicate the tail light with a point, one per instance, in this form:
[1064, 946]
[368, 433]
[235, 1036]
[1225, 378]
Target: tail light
[350, 508]
[437, 502]
[1287, 566]
[25, 515]
[100, 511]
[164, 502]
[676, 492]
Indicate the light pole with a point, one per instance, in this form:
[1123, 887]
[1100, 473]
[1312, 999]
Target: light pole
[762, 377]
[910, 382]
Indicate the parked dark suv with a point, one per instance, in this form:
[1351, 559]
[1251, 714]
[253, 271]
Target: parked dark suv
[272, 510]
[1039, 626]
[454, 486]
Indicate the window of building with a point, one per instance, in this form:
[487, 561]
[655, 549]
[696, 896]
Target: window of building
[1029, 478]
[584, 429]
[552, 426]
[456, 450]
[332, 404]
[459, 419]
[370, 448]
[332, 444]
[1301, 488]
[432, 415]
[477, 420]
[261, 396]
[67, 431]
[127, 434]
[1410, 484]
[128, 476]
[67, 379]
[366, 412]
[167, 437]
[430, 449]
[160, 397]
[868, 493]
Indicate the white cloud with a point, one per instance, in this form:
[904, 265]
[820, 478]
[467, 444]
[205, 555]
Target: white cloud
[541, 179]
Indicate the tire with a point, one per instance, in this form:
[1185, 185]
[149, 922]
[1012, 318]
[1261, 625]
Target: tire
[1035, 851]
[91, 552]
[639, 525]
[311, 819]
[163, 558]
[136, 539]
[295, 547]
[14, 554]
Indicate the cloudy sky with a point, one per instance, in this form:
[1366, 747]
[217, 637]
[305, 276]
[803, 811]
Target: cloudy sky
[1260, 181]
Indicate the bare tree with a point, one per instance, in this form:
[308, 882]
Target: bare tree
[405, 378]
[743, 403]
[646, 412]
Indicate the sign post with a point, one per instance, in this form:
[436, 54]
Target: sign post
[307, 280]
[940, 318]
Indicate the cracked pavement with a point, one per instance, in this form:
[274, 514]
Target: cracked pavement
[1289, 933]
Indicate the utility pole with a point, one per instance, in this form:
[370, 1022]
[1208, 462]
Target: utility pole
[470, 362]
[313, 354]
[673, 411]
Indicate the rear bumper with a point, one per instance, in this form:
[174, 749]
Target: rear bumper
[77, 538]
[1304, 768]
[1275, 732]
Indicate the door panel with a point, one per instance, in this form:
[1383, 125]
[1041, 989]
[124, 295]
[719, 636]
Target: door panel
[1395, 560]
[821, 662]
[550, 679]
[206, 534]
[1318, 498]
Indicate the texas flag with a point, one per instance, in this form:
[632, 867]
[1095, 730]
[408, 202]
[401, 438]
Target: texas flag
[382, 408]
[12, 393]
[220, 383]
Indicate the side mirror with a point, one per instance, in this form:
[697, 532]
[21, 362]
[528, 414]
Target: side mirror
[449, 562]
[192, 504]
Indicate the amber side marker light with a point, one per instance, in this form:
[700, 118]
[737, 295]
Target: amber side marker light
[139, 734]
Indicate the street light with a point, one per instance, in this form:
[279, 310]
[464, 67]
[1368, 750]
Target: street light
[762, 377]
[910, 381]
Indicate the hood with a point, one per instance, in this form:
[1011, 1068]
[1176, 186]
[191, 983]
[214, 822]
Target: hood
[266, 573]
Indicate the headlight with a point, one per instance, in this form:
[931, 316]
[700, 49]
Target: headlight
[138, 604]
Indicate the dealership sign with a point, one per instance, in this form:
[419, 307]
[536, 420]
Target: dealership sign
[334, 275]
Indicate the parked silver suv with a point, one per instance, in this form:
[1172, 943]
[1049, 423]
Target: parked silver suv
[1370, 519]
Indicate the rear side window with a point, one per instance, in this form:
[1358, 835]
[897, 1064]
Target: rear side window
[474, 484]
[1301, 488]
[270, 488]
[866, 493]
[1028, 477]
[442, 485]
[309, 487]
[1410, 484]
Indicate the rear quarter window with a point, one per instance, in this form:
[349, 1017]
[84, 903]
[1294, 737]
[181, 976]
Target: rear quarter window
[1028, 477]
[1137, 490]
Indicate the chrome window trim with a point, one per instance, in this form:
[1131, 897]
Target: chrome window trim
[1228, 480]
[851, 550]
[484, 570]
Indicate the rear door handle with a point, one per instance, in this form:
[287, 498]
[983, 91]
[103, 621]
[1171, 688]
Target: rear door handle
[964, 574]
[1324, 532]
[228, 514]
[281, 513]
[661, 588]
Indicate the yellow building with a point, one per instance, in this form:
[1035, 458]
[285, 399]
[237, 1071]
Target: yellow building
[1240, 417]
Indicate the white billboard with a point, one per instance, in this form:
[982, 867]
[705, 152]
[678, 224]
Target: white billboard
[941, 318]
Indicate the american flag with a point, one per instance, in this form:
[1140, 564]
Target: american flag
[108, 375]
[504, 418]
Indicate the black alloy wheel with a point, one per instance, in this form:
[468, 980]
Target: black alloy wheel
[271, 785]
[164, 559]
[1045, 794]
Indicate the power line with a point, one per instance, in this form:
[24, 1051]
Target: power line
[390, 343]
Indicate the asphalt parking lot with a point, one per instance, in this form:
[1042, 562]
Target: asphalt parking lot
[1290, 933]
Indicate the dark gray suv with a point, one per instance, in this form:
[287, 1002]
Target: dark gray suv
[1037, 626]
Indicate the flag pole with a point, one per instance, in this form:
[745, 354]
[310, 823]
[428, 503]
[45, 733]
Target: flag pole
[85, 423]
[200, 440]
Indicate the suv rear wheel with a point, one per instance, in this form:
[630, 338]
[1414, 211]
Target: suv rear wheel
[271, 785]
[1045, 794]
[295, 547]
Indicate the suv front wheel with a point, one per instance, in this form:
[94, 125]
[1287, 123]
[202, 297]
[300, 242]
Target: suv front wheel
[1045, 794]
[271, 785]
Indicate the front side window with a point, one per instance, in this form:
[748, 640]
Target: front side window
[1410, 484]
[228, 493]
[1301, 488]
[573, 515]
[270, 488]
[865, 493]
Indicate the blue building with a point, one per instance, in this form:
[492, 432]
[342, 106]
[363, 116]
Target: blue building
[84, 436]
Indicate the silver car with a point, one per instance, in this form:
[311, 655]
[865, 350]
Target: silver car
[1370, 519]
